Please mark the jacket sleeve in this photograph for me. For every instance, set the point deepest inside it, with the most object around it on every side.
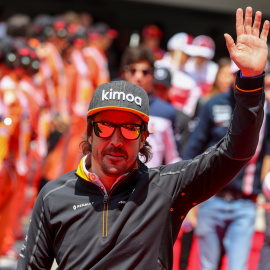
(37, 250)
(196, 180)
(199, 137)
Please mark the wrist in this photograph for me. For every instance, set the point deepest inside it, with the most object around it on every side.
(249, 75)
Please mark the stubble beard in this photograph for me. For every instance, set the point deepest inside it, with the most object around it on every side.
(109, 167)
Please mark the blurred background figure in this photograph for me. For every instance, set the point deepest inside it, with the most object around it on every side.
(76, 91)
(49, 34)
(100, 38)
(161, 87)
(137, 67)
(162, 83)
(26, 140)
(18, 25)
(72, 17)
(222, 83)
(178, 52)
(184, 92)
(200, 66)
(151, 38)
(86, 19)
(224, 77)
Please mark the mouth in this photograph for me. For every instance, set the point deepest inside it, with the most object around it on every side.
(115, 156)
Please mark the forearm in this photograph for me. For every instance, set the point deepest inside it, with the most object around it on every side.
(212, 170)
(243, 133)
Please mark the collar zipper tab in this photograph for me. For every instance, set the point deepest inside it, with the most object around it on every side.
(105, 199)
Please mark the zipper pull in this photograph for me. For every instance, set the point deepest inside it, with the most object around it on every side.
(105, 199)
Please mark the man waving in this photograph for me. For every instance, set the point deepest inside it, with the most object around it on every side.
(113, 212)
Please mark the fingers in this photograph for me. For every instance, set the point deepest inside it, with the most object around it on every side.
(239, 22)
(248, 20)
(265, 31)
(245, 27)
(230, 44)
(257, 24)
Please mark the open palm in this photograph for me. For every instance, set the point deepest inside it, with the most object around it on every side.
(250, 51)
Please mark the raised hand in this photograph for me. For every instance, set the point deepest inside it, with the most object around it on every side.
(250, 51)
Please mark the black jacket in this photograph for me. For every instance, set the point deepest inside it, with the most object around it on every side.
(136, 226)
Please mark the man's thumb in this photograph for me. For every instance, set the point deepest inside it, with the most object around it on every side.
(229, 43)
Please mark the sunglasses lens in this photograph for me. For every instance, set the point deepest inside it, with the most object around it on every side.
(103, 130)
(145, 72)
(132, 71)
(106, 129)
(130, 132)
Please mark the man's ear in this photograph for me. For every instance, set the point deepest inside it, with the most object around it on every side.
(143, 139)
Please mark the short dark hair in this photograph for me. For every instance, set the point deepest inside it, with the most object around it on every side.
(135, 54)
(144, 152)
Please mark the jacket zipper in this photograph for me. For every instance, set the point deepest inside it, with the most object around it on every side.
(105, 209)
(105, 216)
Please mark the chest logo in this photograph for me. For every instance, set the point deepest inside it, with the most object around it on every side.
(75, 207)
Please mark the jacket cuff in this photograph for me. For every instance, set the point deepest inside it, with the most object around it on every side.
(251, 84)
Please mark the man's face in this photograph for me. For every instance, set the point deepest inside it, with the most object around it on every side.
(139, 73)
(114, 156)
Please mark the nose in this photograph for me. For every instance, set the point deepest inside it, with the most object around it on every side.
(138, 75)
(116, 139)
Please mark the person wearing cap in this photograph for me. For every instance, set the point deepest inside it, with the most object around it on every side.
(161, 87)
(81, 87)
(178, 52)
(184, 91)
(200, 65)
(113, 212)
(226, 222)
(137, 66)
(100, 37)
(151, 38)
(162, 83)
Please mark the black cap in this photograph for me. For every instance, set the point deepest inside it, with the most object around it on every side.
(120, 96)
(163, 76)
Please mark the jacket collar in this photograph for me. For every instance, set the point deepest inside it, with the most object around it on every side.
(83, 173)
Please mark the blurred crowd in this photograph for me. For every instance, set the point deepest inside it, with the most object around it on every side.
(49, 68)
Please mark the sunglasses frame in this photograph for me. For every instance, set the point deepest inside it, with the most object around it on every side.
(117, 126)
(145, 72)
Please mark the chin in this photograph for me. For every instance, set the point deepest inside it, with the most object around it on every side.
(114, 171)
